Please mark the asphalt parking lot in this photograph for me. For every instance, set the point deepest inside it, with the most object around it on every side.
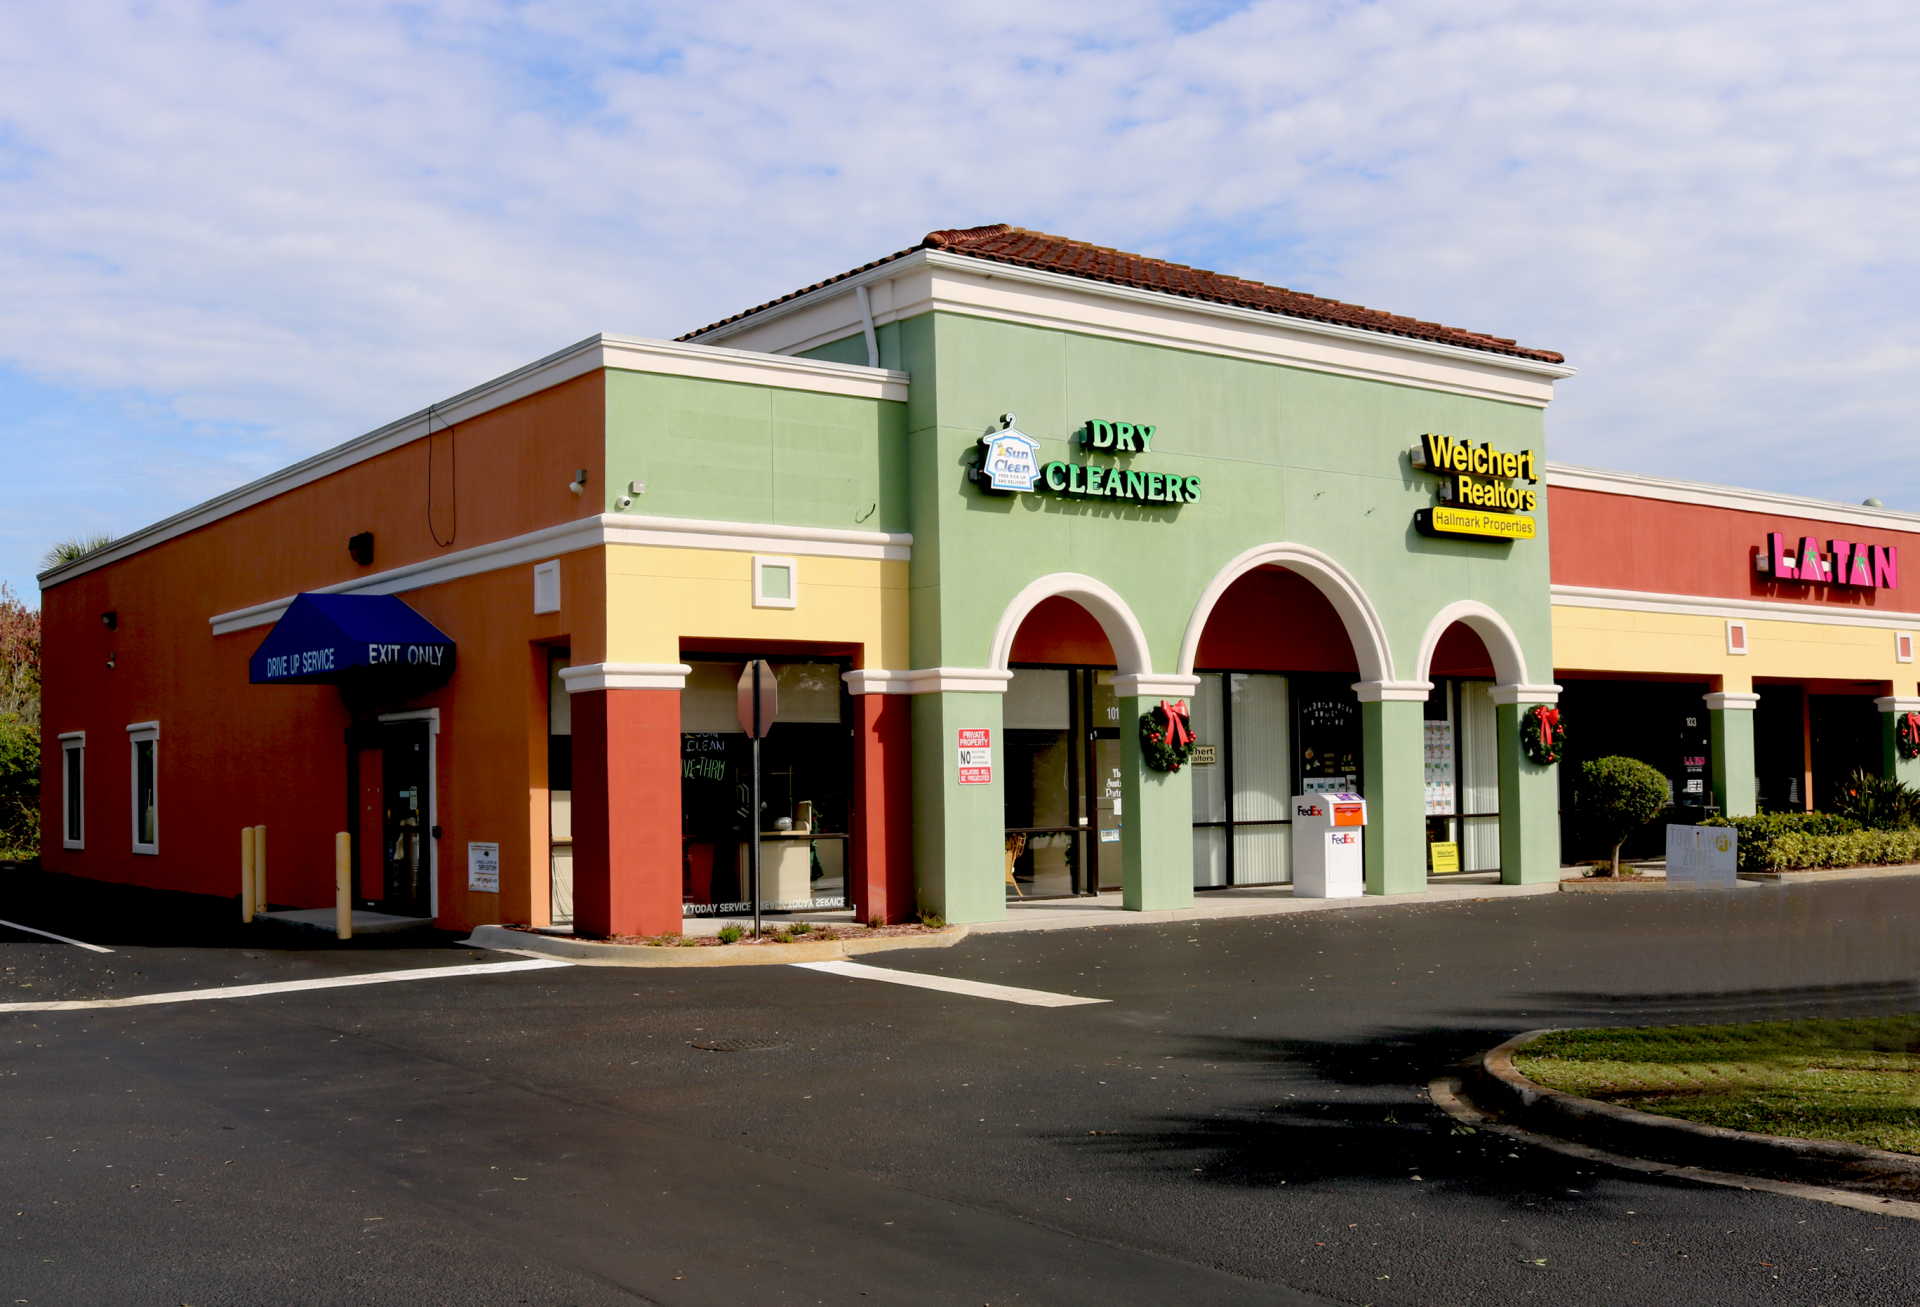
(1242, 1119)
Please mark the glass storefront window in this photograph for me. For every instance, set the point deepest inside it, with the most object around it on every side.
(1064, 807)
(1242, 780)
(1462, 766)
(806, 784)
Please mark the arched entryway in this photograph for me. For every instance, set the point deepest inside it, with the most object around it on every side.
(1275, 714)
(1061, 720)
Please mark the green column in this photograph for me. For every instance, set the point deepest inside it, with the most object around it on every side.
(1529, 801)
(1730, 719)
(1393, 743)
(1156, 822)
(1892, 710)
(959, 831)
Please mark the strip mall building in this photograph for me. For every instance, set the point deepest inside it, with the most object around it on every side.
(982, 504)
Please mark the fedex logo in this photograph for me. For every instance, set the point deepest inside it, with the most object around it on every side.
(1306, 810)
(1343, 838)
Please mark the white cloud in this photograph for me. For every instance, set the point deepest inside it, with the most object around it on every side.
(287, 225)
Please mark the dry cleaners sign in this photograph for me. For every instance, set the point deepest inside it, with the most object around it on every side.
(1009, 463)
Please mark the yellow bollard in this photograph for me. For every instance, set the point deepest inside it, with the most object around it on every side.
(260, 868)
(246, 873)
(343, 885)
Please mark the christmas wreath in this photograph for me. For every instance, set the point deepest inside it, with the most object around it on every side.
(1906, 735)
(1542, 735)
(1166, 737)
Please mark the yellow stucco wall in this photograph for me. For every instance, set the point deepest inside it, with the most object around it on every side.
(1619, 640)
(657, 595)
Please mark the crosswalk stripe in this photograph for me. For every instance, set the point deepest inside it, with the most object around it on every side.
(949, 984)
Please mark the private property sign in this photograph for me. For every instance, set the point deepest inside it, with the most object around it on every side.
(976, 757)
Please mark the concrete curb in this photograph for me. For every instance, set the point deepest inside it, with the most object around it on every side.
(592, 953)
(1495, 1087)
(1823, 874)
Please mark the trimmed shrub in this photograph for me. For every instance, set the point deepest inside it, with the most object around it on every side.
(1616, 797)
(1800, 841)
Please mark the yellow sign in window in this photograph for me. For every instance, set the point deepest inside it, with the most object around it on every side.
(1446, 856)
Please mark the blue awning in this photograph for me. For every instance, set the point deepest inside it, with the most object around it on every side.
(375, 640)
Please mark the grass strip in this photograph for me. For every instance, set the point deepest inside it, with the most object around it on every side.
(1856, 1081)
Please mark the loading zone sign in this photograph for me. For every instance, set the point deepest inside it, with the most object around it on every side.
(976, 757)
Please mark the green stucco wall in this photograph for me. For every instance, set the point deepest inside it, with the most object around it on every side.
(727, 452)
(1284, 455)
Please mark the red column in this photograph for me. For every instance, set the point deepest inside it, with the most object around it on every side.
(626, 812)
(883, 811)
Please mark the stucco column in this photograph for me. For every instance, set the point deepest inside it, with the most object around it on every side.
(1730, 719)
(1529, 792)
(880, 868)
(1392, 766)
(1156, 817)
(626, 797)
(1893, 708)
(959, 830)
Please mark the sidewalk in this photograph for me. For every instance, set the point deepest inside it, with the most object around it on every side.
(1244, 901)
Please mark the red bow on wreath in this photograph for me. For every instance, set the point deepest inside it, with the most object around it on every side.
(1179, 732)
(1549, 723)
(1913, 725)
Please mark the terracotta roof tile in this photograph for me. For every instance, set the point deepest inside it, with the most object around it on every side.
(1032, 249)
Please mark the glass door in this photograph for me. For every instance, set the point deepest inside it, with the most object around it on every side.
(1242, 780)
(407, 855)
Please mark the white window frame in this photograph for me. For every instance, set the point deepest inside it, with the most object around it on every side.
(73, 836)
(139, 733)
(761, 565)
(1737, 644)
(1903, 646)
(546, 586)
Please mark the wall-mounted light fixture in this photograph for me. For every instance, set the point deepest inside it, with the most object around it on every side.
(111, 619)
(361, 547)
(579, 483)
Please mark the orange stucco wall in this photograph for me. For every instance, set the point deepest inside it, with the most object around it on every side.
(234, 754)
(1622, 542)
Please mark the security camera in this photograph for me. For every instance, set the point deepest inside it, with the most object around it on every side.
(625, 501)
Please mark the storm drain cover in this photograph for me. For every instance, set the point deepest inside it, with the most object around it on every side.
(737, 1045)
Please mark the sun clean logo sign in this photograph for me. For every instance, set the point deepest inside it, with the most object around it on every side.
(1011, 459)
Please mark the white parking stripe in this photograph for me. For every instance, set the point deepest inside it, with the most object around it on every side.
(290, 986)
(14, 925)
(948, 984)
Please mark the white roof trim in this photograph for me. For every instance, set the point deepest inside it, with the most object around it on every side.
(1158, 300)
(1758, 610)
(590, 533)
(1712, 496)
(620, 353)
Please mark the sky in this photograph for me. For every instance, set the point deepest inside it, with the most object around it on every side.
(235, 233)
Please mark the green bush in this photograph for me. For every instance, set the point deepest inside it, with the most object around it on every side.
(1799, 841)
(1879, 802)
(1616, 797)
(731, 934)
(1791, 851)
(19, 787)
